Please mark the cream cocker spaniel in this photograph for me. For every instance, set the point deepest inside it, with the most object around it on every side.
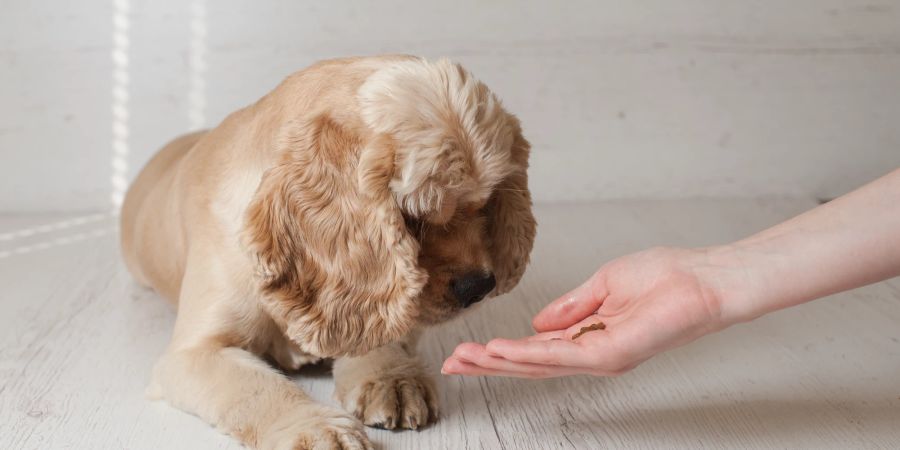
(358, 202)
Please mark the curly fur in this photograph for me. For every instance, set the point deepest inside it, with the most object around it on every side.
(327, 220)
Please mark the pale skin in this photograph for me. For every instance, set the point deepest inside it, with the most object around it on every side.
(661, 298)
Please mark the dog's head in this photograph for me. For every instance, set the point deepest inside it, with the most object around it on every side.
(363, 234)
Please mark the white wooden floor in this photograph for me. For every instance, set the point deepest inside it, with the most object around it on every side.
(78, 338)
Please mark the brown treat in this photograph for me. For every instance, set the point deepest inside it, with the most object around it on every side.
(596, 326)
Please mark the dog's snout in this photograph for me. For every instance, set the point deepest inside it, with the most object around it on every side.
(472, 287)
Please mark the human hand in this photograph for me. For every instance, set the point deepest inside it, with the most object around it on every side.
(649, 302)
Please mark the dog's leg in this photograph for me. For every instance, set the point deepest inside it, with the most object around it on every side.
(240, 394)
(203, 372)
(387, 387)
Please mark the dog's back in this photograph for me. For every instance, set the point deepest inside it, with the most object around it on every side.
(146, 220)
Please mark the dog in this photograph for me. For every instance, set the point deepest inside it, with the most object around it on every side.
(359, 202)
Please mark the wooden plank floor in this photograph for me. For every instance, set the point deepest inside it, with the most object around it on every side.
(78, 339)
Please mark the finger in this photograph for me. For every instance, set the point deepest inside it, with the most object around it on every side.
(598, 356)
(572, 307)
(457, 366)
(477, 354)
(559, 334)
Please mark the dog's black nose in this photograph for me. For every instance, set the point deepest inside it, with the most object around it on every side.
(472, 287)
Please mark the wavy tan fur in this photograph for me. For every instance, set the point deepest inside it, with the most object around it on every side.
(327, 220)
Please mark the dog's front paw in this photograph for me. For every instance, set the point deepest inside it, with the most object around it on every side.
(399, 401)
(315, 427)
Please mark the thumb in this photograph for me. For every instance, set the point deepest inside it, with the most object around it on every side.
(572, 307)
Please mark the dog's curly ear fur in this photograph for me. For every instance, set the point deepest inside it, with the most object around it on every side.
(511, 224)
(335, 260)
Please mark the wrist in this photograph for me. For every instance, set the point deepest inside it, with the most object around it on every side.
(729, 272)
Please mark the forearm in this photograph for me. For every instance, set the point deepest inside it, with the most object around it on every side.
(846, 243)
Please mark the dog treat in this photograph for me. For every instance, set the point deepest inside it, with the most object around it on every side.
(593, 327)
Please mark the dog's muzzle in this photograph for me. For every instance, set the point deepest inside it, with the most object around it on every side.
(472, 287)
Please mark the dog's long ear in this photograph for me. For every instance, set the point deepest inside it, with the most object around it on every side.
(335, 260)
(511, 224)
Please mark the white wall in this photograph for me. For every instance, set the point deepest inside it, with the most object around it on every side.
(619, 98)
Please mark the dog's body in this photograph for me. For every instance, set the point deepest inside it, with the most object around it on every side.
(360, 200)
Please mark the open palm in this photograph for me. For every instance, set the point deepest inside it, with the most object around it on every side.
(649, 302)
